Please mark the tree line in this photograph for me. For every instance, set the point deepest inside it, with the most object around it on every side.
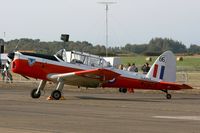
(155, 47)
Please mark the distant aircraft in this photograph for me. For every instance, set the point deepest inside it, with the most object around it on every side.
(86, 70)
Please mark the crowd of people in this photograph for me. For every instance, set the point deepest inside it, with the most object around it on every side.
(133, 68)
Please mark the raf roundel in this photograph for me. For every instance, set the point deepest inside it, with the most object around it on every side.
(31, 61)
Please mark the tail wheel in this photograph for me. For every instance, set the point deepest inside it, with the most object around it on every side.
(35, 94)
(168, 96)
(56, 94)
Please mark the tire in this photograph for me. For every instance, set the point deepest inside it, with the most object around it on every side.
(124, 90)
(56, 94)
(168, 96)
(120, 90)
(34, 95)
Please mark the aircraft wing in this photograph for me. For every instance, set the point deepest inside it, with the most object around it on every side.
(86, 78)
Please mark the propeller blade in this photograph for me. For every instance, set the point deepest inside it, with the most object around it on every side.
(11, 55)
(10, 59)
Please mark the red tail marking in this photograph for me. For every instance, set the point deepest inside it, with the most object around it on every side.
(155, 70)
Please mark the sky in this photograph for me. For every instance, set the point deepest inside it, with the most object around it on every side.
(129, 21)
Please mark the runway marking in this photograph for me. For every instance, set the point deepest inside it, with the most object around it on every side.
(193, 118)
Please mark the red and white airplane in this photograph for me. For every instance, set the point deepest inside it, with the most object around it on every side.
(86, 70)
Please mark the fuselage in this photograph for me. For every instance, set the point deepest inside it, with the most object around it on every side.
(40, 66)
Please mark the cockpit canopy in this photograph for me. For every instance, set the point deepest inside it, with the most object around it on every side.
(82, 58)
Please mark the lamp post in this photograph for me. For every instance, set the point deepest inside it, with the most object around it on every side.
(106, 34)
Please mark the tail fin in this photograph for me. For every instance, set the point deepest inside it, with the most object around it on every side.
(164, 68)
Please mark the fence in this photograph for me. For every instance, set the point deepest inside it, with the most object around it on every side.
(191, 78)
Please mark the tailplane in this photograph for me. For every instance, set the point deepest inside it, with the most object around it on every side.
(164, 68)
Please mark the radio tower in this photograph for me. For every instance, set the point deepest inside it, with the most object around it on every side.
(107, 8)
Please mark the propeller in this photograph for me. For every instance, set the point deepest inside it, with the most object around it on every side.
(10, 58)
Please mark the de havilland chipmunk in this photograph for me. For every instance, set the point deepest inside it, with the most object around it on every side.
(86, 70)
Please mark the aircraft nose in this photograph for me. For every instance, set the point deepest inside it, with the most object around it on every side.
(11, 55)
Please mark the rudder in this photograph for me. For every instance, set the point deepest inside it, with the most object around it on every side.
(164, 68)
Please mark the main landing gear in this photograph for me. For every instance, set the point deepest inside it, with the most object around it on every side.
(122, 90)
(56, 94)
(35, 93)
(168, 96)
(125, 90)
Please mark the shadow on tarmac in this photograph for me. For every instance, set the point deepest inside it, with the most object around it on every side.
(147, 99)
(123, 99)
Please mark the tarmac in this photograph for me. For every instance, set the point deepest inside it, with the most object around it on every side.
(97, 111)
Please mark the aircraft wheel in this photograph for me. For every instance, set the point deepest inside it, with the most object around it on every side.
(56, 94)
(120, 90)
(124, 90)
(168, 96)
(34, 94)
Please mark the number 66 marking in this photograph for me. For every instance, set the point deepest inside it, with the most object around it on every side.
(162, 59)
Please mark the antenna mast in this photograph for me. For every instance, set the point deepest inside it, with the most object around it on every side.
(107, 8)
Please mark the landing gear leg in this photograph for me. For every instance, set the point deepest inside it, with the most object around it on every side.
(168, 96)
(35, 93)
(56, 94)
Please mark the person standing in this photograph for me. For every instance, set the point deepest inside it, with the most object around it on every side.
(133, 68)
(145, 68)
(121, 66)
